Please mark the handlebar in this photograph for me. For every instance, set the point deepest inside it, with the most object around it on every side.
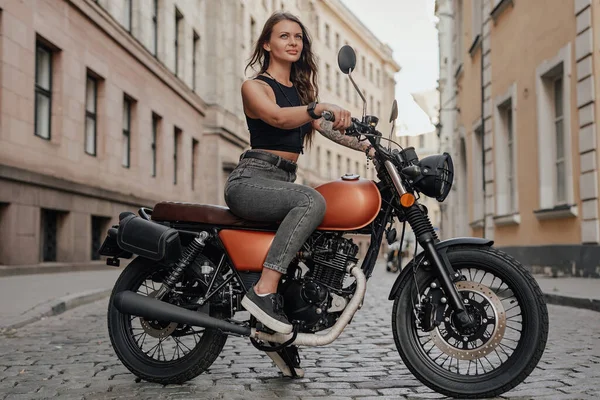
(357, 128)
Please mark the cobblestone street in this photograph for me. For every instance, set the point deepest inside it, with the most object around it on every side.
(70, 357)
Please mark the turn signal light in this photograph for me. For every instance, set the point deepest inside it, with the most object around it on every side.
(407, 200)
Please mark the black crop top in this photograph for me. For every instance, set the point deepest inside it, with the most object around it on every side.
(268, 137)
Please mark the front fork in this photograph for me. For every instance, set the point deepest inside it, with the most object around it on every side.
(421, 226)
(445, 270)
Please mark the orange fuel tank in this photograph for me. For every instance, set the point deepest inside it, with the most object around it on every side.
(352, 203)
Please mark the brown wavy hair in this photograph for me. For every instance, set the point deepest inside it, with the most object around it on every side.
(304, 71)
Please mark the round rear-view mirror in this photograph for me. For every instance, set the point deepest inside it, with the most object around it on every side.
(346, 59)
(394, 113)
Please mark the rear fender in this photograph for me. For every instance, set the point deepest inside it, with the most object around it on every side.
(442, 247)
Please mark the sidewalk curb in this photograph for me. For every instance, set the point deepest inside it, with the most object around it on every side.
(51, 268)
(53, 307)
(576, 302)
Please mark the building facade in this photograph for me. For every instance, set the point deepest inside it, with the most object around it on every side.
(111, 105)
(518, 114)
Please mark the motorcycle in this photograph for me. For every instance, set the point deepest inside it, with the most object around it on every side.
(468, 320)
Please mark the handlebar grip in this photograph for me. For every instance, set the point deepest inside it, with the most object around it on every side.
(328, 116)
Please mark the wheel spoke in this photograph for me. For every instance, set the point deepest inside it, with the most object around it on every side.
(448, 339)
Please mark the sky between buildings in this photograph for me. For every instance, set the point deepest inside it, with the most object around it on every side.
(408, 27)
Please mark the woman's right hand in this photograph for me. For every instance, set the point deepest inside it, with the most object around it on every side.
(343, 118)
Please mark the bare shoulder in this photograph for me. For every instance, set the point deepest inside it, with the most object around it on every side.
(252, 87)
(256, 94)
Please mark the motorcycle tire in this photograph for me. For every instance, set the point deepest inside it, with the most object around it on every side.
(141, 363)
(451, 380)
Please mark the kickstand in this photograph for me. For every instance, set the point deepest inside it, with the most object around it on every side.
(292, 358)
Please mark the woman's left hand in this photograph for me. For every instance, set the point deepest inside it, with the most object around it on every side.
(343, 118)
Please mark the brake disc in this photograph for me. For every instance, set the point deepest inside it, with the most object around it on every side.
(490, 343)
(156, 329)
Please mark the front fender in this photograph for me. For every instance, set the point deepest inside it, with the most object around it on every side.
(440, 246)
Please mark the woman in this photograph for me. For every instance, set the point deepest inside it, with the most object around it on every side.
(282, 114)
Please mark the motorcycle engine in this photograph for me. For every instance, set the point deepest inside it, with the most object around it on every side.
(317, 299)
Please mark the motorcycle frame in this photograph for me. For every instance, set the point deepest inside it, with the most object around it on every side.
(376, 229)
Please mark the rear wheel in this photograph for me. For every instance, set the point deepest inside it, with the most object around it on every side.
(492, 357)
(158, 351)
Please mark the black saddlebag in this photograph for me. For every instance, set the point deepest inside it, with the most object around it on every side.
(148, 239)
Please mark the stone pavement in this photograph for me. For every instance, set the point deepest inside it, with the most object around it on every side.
(69, 357)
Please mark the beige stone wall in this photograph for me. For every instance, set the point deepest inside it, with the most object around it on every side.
(516, 65)
(85, 35)
(520, 49)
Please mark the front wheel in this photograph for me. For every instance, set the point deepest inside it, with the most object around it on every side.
(488, 359)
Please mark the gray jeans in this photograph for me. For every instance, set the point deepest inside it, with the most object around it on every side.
(259, 191)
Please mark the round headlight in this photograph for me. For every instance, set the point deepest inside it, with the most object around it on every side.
(437, 173)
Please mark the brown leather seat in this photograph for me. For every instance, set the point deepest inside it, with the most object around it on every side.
(203, 214)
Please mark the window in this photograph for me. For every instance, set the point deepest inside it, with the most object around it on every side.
(505, 157)
(371, 72)
(127, 14)
(560, 170)
(477, 20)
(378, 108)
(339, 165)
(378, 82)
(252, 32)
(458, 31)
(347, 90)
(327, 76)
(195, 55)
(195, 147)
(327, 42)
(127, 105)
(317, 34)
(49, 231)
(178, 31)
(318, 160)
(337, 83)
(477, 174)
(510, 176)
(155, 27)
(91, 97)
(337, 41)
(176, 145)
(43, 91)
(99, 227)
(328, 164)
(155, 129)
(347, 165)
(364, 66)
(553, 91)
(356, 168)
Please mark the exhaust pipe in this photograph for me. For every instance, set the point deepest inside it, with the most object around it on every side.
(313, 339)
(131, 303)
